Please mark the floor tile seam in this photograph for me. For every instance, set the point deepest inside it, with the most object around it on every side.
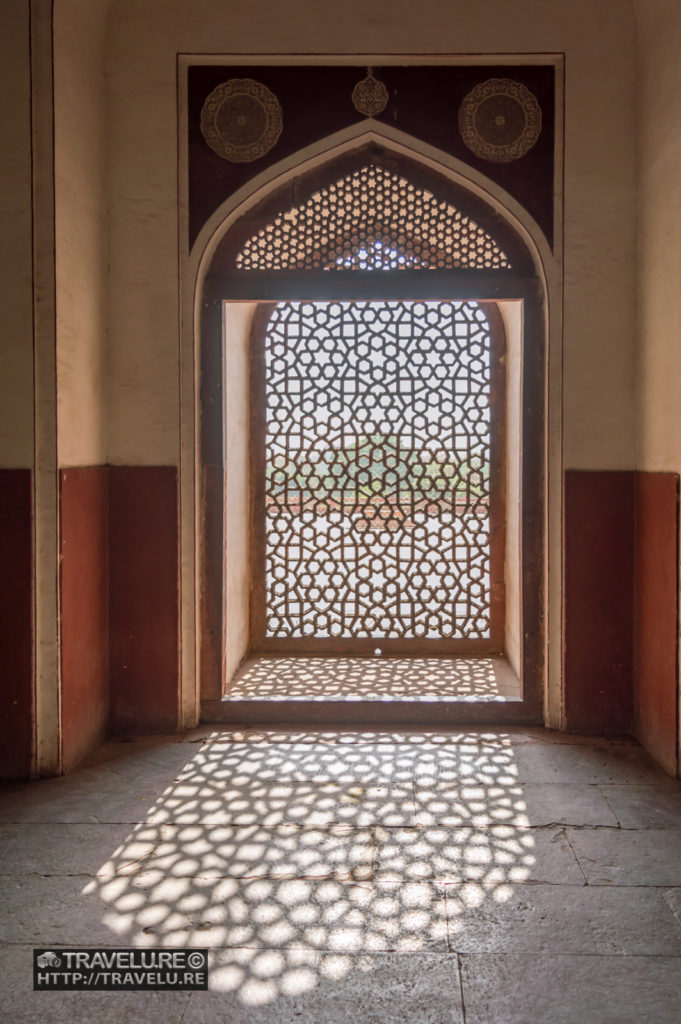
(145, 821)
(435, 883)
(218, 786)
(346, 878)
(661, 786)
(439, 947)
(528, 954)
(188, 1000)
(419, 825)
(624, 829)
(332, 823)
(665, 784)
(442, 736)
(575, 855)
(446, 881)
(661, 888)
(56, 874)
(462, 991)
(603, 791)
(434, 740)
(339, 829)
(230, 757)
(216, 950)
(549, 826)
(68, 824)
(326, 950)
(459, 734)
(674, 911)
(374, 876)
(208, 820)
(542, 951)
(374, 851)
(258, 947)
(104, 823)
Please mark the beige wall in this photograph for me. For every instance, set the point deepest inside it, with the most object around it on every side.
(659, 252)
(599, 42)
(659, 360)
(16, 337)
(512, 313)
(238, 317)
(80, 229)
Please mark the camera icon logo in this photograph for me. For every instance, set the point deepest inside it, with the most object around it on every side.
(49, 959)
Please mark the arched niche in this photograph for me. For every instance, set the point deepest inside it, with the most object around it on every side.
(227, 299)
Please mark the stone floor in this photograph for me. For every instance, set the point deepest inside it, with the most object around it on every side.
(273, 678)
(486, 877)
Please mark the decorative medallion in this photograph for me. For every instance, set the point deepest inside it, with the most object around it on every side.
(369, 96)
(500, 120)
(241, 120)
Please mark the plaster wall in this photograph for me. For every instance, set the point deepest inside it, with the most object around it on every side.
(512, 313)
(237, 330)
(598, 39)
(80, 229)
(16, 282)
(659, 375)
(659, 324)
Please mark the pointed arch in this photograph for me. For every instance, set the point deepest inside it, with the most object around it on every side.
(480, 236)
(213, 278)
(339, 149)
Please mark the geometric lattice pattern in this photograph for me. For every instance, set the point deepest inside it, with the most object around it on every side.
(372, 219)
(377, 455)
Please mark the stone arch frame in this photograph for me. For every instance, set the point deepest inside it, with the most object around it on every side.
(540, 288)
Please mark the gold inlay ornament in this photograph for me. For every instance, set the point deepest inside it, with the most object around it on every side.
(370, 96)
(241, 120)
(500, 120)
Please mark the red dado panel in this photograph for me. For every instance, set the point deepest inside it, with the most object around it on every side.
(16, 616)
(84, 610)
(212, 596)
(656, 615)
(144, 591)
(599, 559)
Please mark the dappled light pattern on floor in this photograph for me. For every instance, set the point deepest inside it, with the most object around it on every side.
(375, 678)
(333, 875)
(314, 844)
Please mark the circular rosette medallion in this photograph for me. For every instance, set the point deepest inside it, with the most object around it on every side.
(500, 120)
(241, 120)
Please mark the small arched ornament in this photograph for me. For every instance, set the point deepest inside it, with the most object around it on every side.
(241, 120)
(500, 120)
(370, 96)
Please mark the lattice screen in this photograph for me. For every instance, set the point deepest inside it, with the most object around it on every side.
(372, 220)
(377, 454)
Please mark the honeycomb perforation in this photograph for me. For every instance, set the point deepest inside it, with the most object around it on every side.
(372, 219)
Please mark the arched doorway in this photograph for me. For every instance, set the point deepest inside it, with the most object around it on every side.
(366, 229)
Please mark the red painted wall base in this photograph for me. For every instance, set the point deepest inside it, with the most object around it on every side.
(621, 607)
(144, 599)
(84, 610)
(599, 511)
(656, 561)
(16, 613)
